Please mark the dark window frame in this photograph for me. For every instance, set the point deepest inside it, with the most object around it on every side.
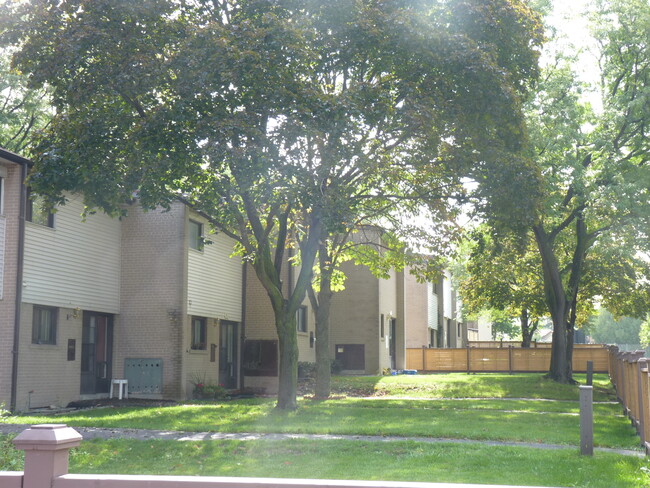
(301, 319)
(44, 334)
(37, 216)
(199, 336)
(382, 330)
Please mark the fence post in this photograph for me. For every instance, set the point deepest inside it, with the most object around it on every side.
(590, 373)
(643, 402)
(510, 359)
(586, 420)
(46, 449)
(469, 367)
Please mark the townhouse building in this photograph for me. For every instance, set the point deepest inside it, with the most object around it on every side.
(157, 300)
(150, 298)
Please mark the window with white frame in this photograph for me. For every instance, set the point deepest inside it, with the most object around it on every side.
(196, 235)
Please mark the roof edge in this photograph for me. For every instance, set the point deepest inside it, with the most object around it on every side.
(13, 157)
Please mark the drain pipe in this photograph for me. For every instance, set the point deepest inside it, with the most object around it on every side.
(19, 285)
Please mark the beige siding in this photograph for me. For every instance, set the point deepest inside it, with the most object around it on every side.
(3, 236)
(214, 282)
(198, 366)
(75, 264)
(387, 308)
(44, 369)
(10, 255)
(416, 305)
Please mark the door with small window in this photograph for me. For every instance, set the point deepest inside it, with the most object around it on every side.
(228, 347)
(96, 353)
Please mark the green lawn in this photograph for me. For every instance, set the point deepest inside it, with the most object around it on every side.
(462, 385)
(395, 461)
(538, 422)
(503, 407)
(548, 418)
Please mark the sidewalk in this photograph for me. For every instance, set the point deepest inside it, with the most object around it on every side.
(142, 434)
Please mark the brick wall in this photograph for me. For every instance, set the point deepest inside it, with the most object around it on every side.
(153, 297)
(354, 317)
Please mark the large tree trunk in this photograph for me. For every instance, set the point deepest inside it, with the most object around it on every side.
(321, 304)
(288, 368)
(558, 306)
(268, 270)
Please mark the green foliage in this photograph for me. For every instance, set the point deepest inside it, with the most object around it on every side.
(11, 459)
(23, 110)
(285, 122)
(604, 328)
(594, 164)
(644, 332)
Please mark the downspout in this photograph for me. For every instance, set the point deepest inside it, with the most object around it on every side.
(19, 286)
(242, 335)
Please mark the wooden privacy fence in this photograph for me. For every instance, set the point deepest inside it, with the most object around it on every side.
(46, 466)
(631, 378)
(494, 360)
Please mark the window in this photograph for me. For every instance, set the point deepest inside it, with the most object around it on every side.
(199, 333)
(36, 211)
(196, 235)
(381, 326)
(260, 358)
(301, 319)
(44, 325)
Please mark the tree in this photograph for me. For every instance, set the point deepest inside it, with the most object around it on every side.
(502, 274)
(23, 110)
(604, 328)
(595, 169)
(275, 120)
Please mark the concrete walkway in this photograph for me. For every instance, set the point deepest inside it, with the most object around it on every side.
(142, 434)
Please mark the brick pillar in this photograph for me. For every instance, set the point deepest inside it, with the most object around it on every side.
(46, 449)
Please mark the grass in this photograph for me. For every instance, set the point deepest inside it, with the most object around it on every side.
(461, 385)
(489, 418)
(539, 423)
(396, 461)
(414, 406)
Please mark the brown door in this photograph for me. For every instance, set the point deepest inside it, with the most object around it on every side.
(96, 353)
(228, 346)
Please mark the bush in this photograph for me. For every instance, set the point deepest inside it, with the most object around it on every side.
(11, 459)
(306, 370)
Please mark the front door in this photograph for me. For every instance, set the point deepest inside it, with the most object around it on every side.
(228, 344)
(96, 353)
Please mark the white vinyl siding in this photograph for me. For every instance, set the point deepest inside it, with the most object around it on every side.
(446, 296)
(432, 307)
(214, 280)
(76, 264)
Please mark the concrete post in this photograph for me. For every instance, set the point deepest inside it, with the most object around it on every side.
(46, 449)
(586, 420)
